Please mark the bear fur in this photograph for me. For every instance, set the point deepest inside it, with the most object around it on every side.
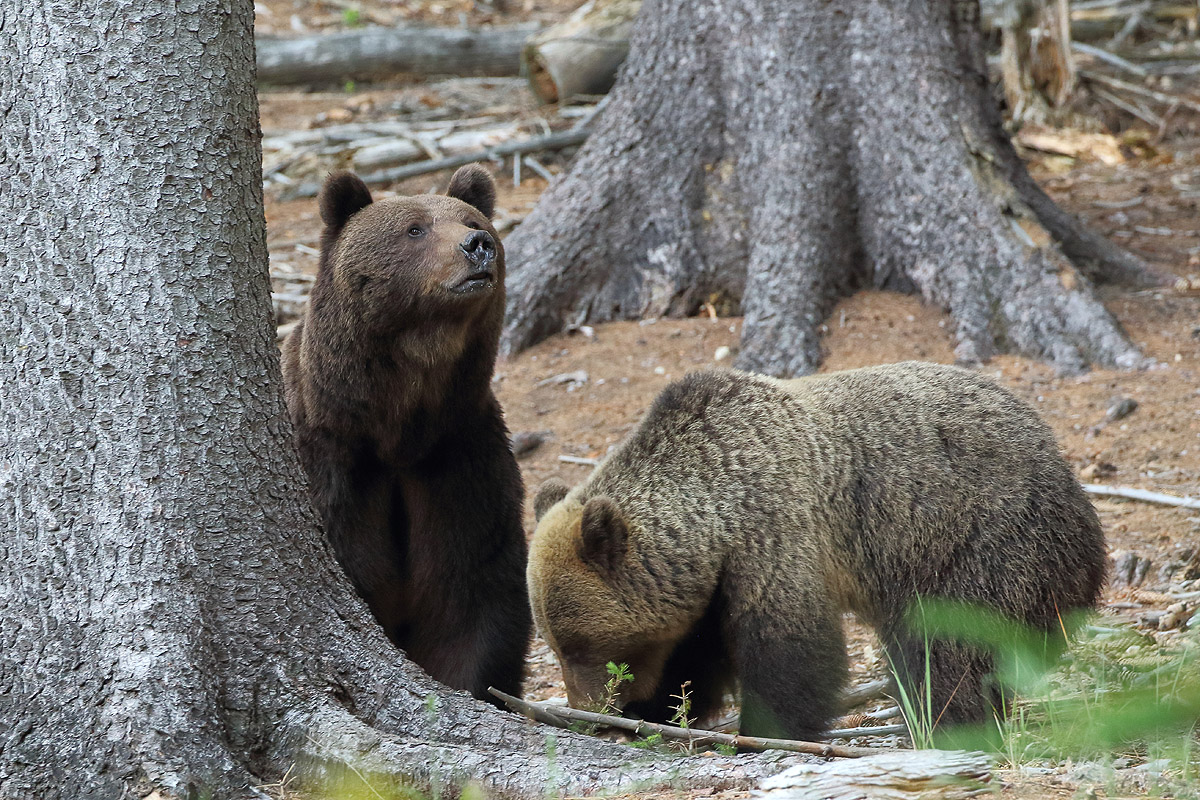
(388, 383)
(725, 537)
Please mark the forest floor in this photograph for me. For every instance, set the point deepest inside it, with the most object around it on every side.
(584, 393)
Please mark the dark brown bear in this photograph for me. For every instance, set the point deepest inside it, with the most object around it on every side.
(727, 534)
(388, 381)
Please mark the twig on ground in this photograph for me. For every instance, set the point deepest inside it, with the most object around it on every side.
(1145, 496)
(537, 167)
(565, 714)
(1145, 115)
(868, 691)
(893, 712)
(555, 141)
(875, 730)
(1103, 55)
(587, 462)
(1133, 88)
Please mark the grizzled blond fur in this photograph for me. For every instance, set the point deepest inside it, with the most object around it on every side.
(728, 533)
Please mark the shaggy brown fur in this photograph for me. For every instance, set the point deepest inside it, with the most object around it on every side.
(728, 533)
(388, 383)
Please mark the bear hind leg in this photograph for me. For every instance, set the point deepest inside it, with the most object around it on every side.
(944, 682)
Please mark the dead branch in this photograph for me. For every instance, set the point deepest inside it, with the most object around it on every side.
(868, 691)
(586, 462)
(1101, 54)
(564, 715)
(869, 730)
(493, 52)
(1145, 496)
(553, 141)
(1142, 91)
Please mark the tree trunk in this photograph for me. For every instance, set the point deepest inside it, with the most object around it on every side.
(779, 155)
(173, 619)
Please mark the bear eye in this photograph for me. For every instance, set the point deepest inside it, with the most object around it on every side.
(415, 231)
(473, 225)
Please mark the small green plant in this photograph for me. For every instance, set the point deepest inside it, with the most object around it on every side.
(617, 674)
(351, 17)
(680, 718)
(725, 749)
(349, 87)
(917, 710)
(648, 742)
(917, 707)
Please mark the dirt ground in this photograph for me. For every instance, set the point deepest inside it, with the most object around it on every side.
(1147, 201)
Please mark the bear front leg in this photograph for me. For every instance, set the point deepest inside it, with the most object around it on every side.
(700, 666)
(790, 654)
(470, 618)
(352, 491)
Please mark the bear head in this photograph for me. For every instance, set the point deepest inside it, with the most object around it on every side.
(407, 261)
(593, 600)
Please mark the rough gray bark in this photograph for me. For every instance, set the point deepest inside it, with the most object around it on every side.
(782, 155)
(172, 617)
(387, 51)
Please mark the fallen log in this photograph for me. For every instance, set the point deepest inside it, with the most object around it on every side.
(580, 55)
(927, 774)
(374, 52)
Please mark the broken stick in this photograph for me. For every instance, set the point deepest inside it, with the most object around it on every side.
(1130, 493)
(563, 715)
(553, 141)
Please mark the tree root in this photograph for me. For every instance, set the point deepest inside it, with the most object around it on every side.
(784, 190)
(333, 749)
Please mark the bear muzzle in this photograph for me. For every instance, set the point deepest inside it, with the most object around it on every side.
(479, 248)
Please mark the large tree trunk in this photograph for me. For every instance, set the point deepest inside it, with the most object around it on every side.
(781, 155)
(172, 617)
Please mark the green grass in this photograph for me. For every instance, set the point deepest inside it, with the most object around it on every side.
(1101, 693)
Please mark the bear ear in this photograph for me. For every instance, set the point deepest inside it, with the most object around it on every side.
(549, 493)
(474, 186)
(343, 194)
(605, 534)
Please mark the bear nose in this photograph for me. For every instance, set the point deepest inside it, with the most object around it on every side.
(479, 247)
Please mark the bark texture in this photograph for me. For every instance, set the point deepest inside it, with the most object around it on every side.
(782, 155)
(172, 616)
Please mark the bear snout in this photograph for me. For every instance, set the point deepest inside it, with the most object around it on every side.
(479, 247)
